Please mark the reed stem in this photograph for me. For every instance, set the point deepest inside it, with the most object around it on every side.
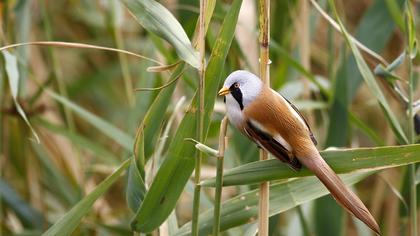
(219, 176)
(264, 39)
(412, 167)
(410, 35)
(200, 116)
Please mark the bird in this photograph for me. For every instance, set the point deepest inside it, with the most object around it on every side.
(277, 126)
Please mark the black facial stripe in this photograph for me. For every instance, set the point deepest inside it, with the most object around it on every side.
(237, 94)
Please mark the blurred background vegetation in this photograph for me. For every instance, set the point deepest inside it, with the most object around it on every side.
(82, 104)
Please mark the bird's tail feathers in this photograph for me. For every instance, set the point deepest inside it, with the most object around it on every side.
(341, 193)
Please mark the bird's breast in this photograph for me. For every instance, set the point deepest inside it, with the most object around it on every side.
(233, 111)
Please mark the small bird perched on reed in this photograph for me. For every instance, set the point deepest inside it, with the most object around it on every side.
(277, 126)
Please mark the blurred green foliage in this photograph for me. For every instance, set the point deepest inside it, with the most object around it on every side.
(82, 104)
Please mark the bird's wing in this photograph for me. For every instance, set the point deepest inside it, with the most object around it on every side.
(271, 143)
(311, 135)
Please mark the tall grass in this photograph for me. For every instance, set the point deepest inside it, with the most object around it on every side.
(113, 87)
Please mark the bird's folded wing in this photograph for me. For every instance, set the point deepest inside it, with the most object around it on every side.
(299, 115)
(270, 143)
(306, 122)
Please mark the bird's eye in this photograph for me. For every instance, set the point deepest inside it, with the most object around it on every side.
(236, 85)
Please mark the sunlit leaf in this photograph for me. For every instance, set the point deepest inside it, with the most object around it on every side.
(204, 148)
(283, 196)
(13, 76)
(341, 161)
(387, 72)
(157, 19)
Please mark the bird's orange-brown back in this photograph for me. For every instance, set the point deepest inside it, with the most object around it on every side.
(270, 110)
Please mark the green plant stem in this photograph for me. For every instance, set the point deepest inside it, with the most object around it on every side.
(218, 195)
(264, 36)
(219, 176)
(412, 167)
(413, 199)
(410, 40)
(196, 203)
(200, 116)
(306, 63)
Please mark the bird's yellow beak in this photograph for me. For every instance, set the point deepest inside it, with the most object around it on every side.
(224, 91)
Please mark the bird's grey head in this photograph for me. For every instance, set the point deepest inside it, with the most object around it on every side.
(242, 86)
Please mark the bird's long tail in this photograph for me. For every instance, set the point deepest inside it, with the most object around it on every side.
(339, 191)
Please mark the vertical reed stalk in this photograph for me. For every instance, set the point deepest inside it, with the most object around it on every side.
(219, 176)
(264, 190)
(305, 58)
(411, 138)
(330, 46)
(410, 39)
(200, 116)
(413, 198)
(412, 167)
(304, 42)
